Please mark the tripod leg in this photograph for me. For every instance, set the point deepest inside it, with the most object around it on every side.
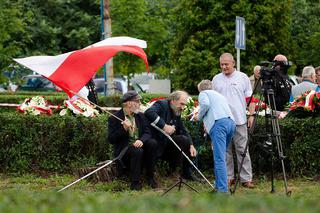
(171, 187)
(276, 132)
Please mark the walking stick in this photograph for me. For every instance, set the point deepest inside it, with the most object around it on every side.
(123, 151)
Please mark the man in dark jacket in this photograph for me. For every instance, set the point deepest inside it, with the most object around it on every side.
(166, 114)
(134, 132)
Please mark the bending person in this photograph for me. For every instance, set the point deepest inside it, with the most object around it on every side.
(219, 123)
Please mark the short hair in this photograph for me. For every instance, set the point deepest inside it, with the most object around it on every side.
(308, 71)
(256, 67)
(176, 95)
(317, 69)
(205, 85)
(280, 57)
(228, 55)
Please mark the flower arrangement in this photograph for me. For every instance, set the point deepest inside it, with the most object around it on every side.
(305, 104)
(35, 106)
(190, 109)
(79, 106)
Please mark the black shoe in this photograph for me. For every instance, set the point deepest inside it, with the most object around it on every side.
(152, 183)
(136, 186)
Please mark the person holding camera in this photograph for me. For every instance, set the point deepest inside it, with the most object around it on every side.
(307, 84)
(134, 132)
(281, 84)
(236, 88)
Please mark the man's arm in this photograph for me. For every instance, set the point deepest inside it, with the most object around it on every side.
(145, 131)
(204, 105)
(153, 115)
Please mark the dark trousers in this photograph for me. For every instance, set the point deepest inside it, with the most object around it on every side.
(133, 160)
(174, 157)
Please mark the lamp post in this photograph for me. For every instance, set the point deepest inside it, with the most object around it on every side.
(107, 33)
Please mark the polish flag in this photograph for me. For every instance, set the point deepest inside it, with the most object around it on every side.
(71, 71)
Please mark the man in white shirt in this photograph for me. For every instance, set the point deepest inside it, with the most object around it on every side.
(236, 88)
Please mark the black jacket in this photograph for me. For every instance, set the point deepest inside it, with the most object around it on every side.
(161, 113)
(119, 137)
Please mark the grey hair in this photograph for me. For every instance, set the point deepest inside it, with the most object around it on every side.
(257, 67)
(308, 71)
(227, 55)
(176, 95)
(205, 85)
(317, 69)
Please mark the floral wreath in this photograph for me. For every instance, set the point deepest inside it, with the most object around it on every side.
(306, 104)
(35, 106)
(79, 106)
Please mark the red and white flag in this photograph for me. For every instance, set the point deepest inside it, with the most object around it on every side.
(71, 71)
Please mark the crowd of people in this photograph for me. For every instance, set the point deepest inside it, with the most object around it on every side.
(223, 110)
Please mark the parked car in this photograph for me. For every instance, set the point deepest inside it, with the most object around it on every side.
(119, 84)
(294, 80)
(37, 83)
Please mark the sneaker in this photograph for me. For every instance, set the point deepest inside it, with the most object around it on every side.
(135, 185)
(248, 185)
(152, 183)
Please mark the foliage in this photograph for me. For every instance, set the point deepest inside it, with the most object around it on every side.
(144, 20)
(29, 193)
(55, 143)
(305, 32)
(11, 31)
(205, 29)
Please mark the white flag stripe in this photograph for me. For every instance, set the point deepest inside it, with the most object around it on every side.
(122, 40)
(44, 65)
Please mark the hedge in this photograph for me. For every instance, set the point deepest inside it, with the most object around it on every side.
(51, 143)
(61, 144)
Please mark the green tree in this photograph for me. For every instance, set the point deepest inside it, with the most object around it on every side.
(142, 19)
(305, 31)
(206, 29)
(12, 26)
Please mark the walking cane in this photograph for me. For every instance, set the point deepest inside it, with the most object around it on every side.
(170, 138)
(123, 151)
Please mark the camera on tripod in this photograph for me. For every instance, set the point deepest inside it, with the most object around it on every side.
(271, 71)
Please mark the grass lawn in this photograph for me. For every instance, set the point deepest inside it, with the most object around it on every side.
(30, 193)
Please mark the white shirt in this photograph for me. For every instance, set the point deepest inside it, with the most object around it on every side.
(235, 88)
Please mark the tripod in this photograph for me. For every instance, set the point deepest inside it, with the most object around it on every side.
(272, 133)
(180, 181)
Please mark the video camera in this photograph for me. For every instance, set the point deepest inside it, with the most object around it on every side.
(269, 70)
(274, 76)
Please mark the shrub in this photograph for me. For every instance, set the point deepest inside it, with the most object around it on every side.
(54, 143)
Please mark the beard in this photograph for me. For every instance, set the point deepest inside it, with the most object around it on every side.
(136, 111)
(176, 111)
